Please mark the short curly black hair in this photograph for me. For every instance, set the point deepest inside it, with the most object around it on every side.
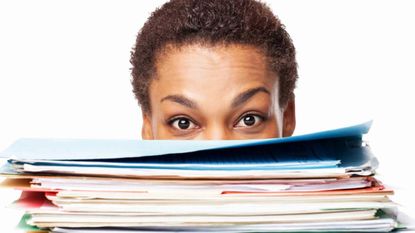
(213, 22)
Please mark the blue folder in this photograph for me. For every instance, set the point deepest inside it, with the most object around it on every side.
(343, 144)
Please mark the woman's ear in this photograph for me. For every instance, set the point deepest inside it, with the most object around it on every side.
(147, 130)
(289, 118)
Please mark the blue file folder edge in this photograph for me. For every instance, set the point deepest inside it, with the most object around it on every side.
(90, 149)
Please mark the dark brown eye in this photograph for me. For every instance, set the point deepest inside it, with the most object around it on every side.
(183, 123)
(250, 120)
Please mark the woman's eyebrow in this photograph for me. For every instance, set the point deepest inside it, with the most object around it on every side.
(246, 95)
(238, 100)
(180, 99)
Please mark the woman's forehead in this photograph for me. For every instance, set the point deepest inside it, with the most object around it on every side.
(203, 74)
(213, 65)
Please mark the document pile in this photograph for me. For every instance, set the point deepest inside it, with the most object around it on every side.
(316, 182)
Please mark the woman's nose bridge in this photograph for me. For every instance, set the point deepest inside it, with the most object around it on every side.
(216, 132)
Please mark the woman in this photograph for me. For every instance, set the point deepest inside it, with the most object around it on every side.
(215, 69)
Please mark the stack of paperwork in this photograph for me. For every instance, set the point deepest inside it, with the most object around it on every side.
(316, 182)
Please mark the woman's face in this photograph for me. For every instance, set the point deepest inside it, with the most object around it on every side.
(215, 93)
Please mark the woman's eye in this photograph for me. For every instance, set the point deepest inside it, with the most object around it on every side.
(183, 123)
(249, 121)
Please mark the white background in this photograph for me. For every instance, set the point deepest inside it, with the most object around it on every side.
(64, 72)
